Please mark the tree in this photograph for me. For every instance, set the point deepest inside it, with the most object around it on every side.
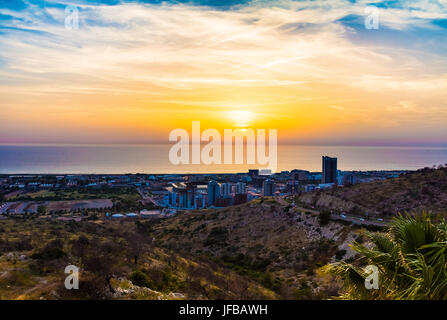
(104, 260)
(324, 217)
(139, 278)
(41, 210)
(136, 246)
(51, 257)
(80, 246)
(53, 250)
(411, 260)
(355, 211)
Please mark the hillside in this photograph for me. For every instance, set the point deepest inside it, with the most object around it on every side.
(116, 262)
(260, 250)
(425, 189)
(270, 242)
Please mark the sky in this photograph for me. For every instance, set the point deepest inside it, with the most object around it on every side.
(132, 71)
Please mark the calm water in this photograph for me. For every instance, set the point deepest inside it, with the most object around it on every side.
(154, 159)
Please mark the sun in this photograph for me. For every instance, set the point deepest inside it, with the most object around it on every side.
(241, 118)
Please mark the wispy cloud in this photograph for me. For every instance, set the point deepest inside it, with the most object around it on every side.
(160, 52)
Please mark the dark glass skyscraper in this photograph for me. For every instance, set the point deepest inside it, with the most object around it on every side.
(213, 192)
(329, 170)
(268, 188)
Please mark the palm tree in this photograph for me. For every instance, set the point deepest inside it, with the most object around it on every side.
(411, 259)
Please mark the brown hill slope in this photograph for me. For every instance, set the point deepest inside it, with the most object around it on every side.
(264, 249)
(34, 254)
(425, 189)
(274, 244)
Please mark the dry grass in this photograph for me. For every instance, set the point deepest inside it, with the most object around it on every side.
(425, 189)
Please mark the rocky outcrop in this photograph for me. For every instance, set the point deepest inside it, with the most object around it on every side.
(327, 201)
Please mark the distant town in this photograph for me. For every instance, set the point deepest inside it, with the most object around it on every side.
(157, 195)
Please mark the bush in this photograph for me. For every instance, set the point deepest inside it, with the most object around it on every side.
(17, 278)
(324, 217)
(139, 278)
(53, 250)
(269, 281)
(374, 228)
(355, 211)
(304, 292)
(340, 254)
(217, 236)
(164, 280)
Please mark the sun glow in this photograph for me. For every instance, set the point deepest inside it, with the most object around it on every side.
(241, 118)
(159, 67)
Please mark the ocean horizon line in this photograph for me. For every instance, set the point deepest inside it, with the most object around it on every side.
(415, 146)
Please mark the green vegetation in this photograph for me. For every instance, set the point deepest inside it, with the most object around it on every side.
(117, 260)
(411, 258)
(141, 279)
(255, 269)
(218, 236)
(41, 210)
(324, 217)
(339, 254)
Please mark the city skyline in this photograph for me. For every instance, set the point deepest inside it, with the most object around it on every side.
(134, 71)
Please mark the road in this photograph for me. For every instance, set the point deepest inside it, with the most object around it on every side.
(146, 197)
(349, 218)
(356, 220)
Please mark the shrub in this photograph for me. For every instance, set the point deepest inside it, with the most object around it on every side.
(217, 236)
(139, 278)
(340, 254)
(53, 250)
(355, 211)
(324, 217)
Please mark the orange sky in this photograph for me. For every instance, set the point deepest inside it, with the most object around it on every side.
(250, 67)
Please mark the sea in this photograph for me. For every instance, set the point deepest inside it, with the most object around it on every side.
(154, 158)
